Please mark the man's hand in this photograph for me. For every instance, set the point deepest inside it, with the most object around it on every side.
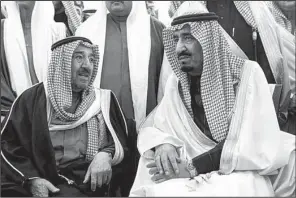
(166, 158)
(158, 178)
(41, 187)
(99, 171)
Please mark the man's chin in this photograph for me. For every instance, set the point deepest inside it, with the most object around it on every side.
(117, 7)
(78, 87)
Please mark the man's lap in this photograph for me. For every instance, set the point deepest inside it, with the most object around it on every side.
(76, 172)
(235, 184)
(9, 189)
(245, 183)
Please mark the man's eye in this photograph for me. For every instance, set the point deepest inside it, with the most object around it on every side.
(79, 58)
(176, 39)
(188, 38)
(92, 60)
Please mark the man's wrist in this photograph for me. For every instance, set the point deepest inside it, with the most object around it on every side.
(108, 154)
(191, 169)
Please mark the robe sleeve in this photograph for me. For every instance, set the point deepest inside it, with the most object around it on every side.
(110, 147)
(118, 122)
(208, 161)
(16, 155)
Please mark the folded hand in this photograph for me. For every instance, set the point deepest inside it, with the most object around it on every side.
(158, 178)
(166, 158)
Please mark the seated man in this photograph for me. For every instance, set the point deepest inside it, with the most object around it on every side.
(62, 137)
(215, 132)
(252, 28)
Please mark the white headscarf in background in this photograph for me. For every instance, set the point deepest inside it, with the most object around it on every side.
(139, 46)
(279, 16)
(44, 34)
(74, 20)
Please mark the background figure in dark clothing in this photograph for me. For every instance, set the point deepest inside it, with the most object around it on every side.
(3, 13)
(235, 25)
(130, 42)
(250, 41)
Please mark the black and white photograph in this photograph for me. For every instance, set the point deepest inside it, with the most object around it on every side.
(148, 99)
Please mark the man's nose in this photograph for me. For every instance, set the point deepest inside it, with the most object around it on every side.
(86, 63)
(180, 47)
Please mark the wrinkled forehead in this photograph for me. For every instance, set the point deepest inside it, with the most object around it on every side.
(88, 50)
(67, 50)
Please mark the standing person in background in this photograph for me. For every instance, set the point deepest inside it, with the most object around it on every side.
(253, 28)
(151, 9)
(130, 71)
(28, 34)
(284, 13)
(70, 13)
(3, 13)
(173, 7)
(132, 63)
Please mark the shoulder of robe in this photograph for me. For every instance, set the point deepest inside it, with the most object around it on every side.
(254, 67)
(29, 95)
(33, 90)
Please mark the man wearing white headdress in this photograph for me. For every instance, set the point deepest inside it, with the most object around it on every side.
(28, 33)
(215, 132)
(130, 41)
(251, 25)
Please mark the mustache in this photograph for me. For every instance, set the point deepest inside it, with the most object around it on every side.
(84, 71)
(183, 54)
(117, 1)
